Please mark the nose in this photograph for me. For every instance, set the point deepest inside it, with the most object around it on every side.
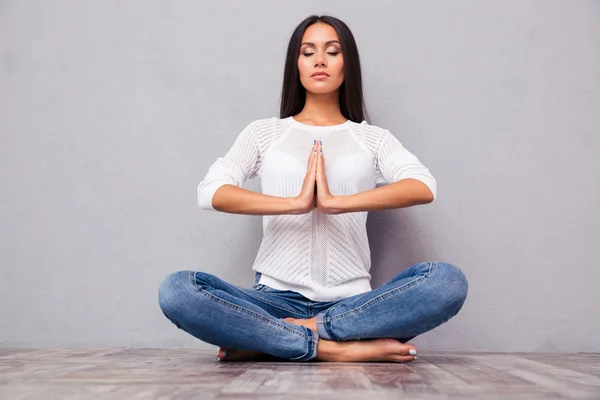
(320, 61)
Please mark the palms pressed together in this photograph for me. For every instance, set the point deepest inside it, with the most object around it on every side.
(316, 194)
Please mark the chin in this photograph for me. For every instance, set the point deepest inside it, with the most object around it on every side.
(318, 89)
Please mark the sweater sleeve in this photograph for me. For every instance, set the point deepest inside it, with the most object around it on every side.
(241, 162)
(394, 163)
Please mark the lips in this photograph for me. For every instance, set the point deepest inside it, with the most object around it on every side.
(320, 74)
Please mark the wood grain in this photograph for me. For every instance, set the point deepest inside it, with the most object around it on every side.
(195, 374)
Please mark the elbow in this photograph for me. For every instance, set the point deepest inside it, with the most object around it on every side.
(424, 185)
(203, 200)
(430, 196)
(429, 189)
(206, 193)
(423, 191)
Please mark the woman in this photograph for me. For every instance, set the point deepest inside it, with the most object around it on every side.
(311, 298)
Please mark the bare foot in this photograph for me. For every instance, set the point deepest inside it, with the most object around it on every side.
(310, 323)
(226, 354)
(383, 349)
(366, 350)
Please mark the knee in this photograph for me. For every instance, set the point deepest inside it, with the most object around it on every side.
(171, 292)
(453, 283)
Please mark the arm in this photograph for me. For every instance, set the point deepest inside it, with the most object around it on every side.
(405, 193)
(221, 189)
(408, 181)
(236, 200)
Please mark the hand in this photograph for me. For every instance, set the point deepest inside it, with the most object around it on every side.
(306, 200)
(326, 202)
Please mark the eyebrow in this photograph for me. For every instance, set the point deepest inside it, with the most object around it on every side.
(326, 43)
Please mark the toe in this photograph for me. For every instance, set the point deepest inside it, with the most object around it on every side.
(403, 358)
(223, 353)
(409, 350)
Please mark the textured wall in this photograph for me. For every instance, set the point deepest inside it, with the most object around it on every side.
(111, 113)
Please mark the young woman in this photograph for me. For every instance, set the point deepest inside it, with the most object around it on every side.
(319, 164)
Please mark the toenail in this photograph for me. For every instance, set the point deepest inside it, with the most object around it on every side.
(412, 352)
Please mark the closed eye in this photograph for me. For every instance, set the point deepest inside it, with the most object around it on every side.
(330, 53)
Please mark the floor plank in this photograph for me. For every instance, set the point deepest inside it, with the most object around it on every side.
(132, 374)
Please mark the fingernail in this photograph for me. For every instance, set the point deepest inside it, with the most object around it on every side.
(415, 357)
(321, 150)
(315, 141)
(218, 359)
(315, 151)
(224, 353)
(321, 143)
(412, 352)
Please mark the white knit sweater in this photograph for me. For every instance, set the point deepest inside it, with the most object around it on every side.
(324, 257)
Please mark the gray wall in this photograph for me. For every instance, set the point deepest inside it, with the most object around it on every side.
(111, 113)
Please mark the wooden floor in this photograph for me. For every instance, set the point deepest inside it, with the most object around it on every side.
(195, 374)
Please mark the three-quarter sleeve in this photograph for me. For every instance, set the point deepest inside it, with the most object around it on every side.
(241, 162)
(394, 163)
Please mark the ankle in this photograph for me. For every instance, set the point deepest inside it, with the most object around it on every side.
(327, 350)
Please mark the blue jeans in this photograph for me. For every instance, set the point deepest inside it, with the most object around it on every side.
(418, 299)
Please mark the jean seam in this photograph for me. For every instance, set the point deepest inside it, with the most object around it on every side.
(311, 352)
(327, 326)
(249, 312)
(192, 277)
(431, 268)
(386, 294)
(315, 344)
(275, 305)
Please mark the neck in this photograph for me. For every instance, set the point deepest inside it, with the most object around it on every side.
(321, 109)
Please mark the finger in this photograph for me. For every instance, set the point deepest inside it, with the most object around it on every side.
(322, 184)
(319, 167)
(320, 151)
(312, 152)
(311, 158)
(320, 162)
(314, 160)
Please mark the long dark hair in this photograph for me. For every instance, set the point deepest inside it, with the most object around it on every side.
(293, 94)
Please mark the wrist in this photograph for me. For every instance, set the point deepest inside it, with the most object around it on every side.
(336, 204)
(295, 206)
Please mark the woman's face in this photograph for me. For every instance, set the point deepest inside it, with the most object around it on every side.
(321, 51)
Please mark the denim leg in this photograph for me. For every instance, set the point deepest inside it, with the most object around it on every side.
(418, 299)
(222, 314)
